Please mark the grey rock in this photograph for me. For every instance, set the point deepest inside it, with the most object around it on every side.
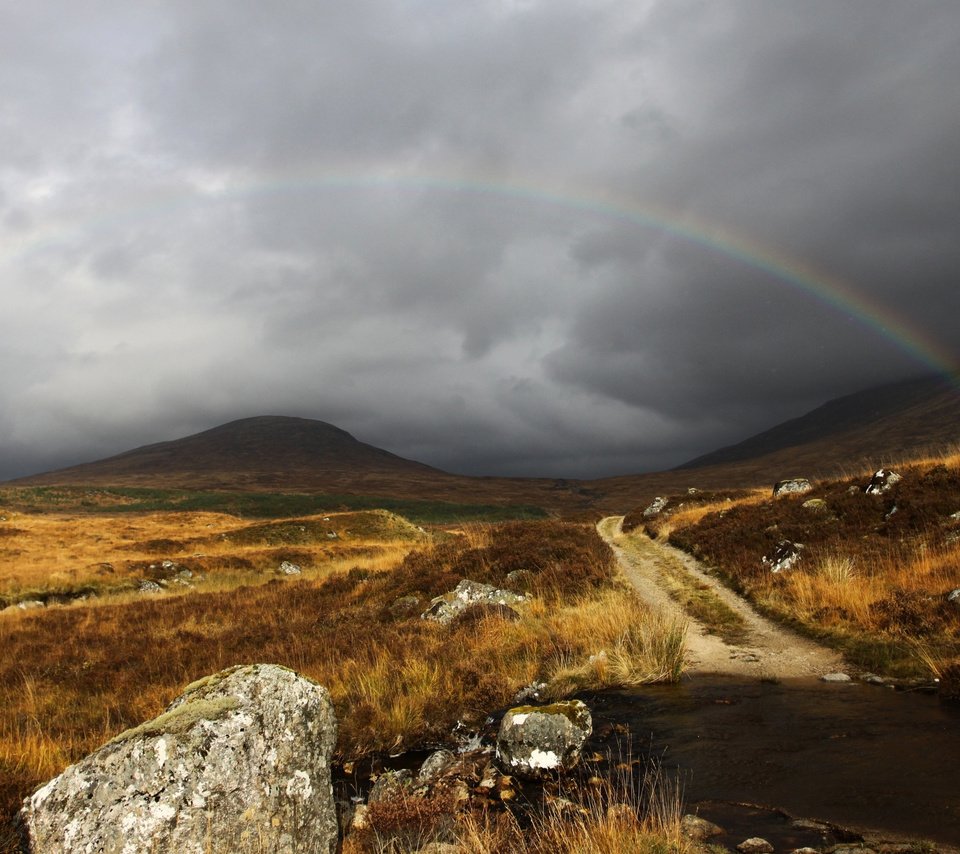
(655, 507)
(533, 691)
(835, 677)
(791, 486)
(443, 609)
(391, 784)
(539, 741)
(147, 586)
(405, 606)
(240, 762)
(882, 481)
(30, 605)
(288, 568)
(784, 556)
(954, 597)
(816, 505)
(435, 765)
(698, 829)
(755, 845)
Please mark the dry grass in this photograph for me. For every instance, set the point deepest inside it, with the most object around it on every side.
(61, 555)
(875, 570)
(73, 677)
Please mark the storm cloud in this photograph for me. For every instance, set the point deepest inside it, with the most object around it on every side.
(565, 238)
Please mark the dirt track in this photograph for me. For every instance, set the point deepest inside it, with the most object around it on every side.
(768, 649)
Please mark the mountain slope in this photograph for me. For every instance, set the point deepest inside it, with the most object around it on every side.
(889, 420)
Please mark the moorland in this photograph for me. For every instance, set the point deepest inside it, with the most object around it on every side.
(122, 582)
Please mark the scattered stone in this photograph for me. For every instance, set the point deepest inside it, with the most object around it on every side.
(699, 829)
(656, 506)
(147, 586)
(791, 486)
(692, 490)
(288, 568)
(332, 535)
(30, 604)
(805, 850)
(540, 741)
(391, 784)
(755, 845)
(520, 579)
(784, 556)
(954, 597)
(240, 761)
(435, 765)
(835, 677)
(955, 516)
(444, 608)
(853, 490)
(533, 691)
(816, 505)
(882, 481)
(873, 679)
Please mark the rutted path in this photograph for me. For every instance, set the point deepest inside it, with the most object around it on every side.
(767, 650)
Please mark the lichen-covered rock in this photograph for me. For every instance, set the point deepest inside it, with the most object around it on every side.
(784, 556)
(816, 505)
(655, 507)
(435, 765)
(289, 568)
(755, 845)
(239, 762)
(443, 609)
(882, 481)
(699, 829)
(540, 741)
(791, 486)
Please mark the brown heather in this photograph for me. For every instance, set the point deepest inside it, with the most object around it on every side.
(875, 571)
(72, 677)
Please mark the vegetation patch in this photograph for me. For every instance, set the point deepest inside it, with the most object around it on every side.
(73, 678)
(876, 570)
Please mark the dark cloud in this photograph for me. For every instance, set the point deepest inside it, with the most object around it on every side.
(563, 238)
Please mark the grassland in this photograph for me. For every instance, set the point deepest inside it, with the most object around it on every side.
(875, 570)
(74, 675)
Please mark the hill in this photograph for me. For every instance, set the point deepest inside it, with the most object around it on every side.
(280, 454)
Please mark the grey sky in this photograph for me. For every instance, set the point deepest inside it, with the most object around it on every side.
(434, 224)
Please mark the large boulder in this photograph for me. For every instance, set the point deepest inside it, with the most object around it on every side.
(791, 486)
(655, 507)
(239, 762)
(540, 741)
(444, 609)
(784, 556)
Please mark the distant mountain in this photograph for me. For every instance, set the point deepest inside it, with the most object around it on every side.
(267, 449)
(280, 454)
(893, 420)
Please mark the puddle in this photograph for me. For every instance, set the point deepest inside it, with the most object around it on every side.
(854, 755)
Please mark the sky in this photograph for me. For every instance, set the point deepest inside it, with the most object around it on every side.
(568, 238)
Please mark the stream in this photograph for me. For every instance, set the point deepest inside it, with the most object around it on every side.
(857, 755)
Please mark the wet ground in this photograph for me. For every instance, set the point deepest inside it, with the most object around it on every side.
(853, 754)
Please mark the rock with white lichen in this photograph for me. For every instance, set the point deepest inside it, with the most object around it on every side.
(239, 762)
(444, 609)
(791, 486)
(540, 741)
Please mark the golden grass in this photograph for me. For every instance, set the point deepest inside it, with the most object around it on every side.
(49, 553)
(687, 516)
(73, 677)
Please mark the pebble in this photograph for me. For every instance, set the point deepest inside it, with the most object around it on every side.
(755, 845)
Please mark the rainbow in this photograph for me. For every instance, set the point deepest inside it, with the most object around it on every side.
(778, 265)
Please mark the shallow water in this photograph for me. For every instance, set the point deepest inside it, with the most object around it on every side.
(853, 754)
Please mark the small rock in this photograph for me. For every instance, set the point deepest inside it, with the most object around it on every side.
(882, 481)
(444, 608)
(533, 691)
(891, 512)
(332, 535)
(698, 829)
(805, 851)
(655, 507)
(30, 604)
(435, 765)
(835, 677)
(540, 741)
(755, 845)
(391, 784)
(288, 568)
(147, 586)
(873, 679)
(784, 556)
(791, 486)
(954, 596)
(405, 606)
(816, 505)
